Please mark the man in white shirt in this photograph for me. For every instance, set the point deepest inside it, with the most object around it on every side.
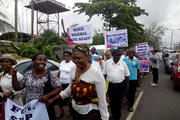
(117, 72)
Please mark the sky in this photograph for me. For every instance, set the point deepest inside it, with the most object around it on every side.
(163, 12)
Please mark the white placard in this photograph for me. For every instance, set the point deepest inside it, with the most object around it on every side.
(80, 35)
(33, 110)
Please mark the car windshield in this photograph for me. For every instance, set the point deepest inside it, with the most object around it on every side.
(172, 56)
(25, 66)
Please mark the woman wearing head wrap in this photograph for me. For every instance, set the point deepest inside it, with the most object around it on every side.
(87, 88)
(7, 61)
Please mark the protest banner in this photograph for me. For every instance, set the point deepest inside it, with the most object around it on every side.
(142, 49)
(33, 110)
(117, 38)
(144, 64)
(80, 35)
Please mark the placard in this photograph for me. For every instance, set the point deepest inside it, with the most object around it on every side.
(117, 38)
(33, 110)
(80, 35)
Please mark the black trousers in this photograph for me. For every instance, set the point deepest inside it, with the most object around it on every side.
(63, 102)
(116, 93)
(155, 75)
(132, 91)
(51, 112)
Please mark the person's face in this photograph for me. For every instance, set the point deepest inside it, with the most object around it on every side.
(67, 57)
(80, 59)
(93, 50)
(108, 55)
(6, 63)
(131, 55)
(40, 62)
(116, 57)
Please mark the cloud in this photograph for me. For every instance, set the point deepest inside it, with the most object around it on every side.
(163, 12)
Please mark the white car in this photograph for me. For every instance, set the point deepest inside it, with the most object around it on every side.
(23, 66)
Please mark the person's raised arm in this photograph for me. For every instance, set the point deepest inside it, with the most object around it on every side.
(15, 82)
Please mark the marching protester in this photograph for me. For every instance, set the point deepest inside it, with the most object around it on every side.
(107, 56)
(94, 63)
(95, 56)
(7, 61)
(134, 69)
(35, 81)
(116, 71)
(64, 75)
(155, 68)
(87, 88)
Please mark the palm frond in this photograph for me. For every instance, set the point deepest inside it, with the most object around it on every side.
(3, 15)
(5, 26)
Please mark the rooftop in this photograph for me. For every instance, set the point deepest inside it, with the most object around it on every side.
(48, 6)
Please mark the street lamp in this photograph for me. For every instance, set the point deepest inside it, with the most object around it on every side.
(172, 32)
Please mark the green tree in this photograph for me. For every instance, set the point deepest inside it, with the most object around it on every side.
(50, 37)
(98, 38)
(24, 50)
(47, 43)
(154, 34)
(117, 14)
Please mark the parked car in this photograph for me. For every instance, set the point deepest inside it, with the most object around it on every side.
(168, 61)
(23, 66)
(175, 71)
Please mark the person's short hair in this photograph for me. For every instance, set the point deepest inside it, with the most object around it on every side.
(35, 56)
(155, 50)
(117, 51)
(67, 52)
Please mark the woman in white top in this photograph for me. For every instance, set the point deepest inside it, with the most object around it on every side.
(87, 88)
(64, 75)
(7, 61)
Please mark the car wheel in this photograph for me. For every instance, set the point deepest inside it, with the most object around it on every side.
(176, 87)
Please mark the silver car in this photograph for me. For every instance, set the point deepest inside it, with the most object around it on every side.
(23, 66)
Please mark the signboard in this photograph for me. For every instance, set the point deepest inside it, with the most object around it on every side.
(117, 38)
(80, 35)
(144, 64)
(142, 49)
(33, 110)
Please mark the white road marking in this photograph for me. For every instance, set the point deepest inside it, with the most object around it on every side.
(130, 115)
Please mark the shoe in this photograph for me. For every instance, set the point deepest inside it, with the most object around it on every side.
(130, 109)
(153, 85)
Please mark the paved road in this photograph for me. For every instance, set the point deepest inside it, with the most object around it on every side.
(159, 103)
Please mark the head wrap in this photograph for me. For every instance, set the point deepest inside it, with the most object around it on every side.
(82, 48)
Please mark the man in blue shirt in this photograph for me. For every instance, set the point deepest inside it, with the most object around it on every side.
(134, 69)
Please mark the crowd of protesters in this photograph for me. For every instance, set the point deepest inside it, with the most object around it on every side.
(88, 83)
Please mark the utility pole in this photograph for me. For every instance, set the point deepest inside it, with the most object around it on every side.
(16, 16)
(32, 18)
(171, 39)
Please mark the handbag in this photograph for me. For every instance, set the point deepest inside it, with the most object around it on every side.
(48, 86)
(47, 89)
